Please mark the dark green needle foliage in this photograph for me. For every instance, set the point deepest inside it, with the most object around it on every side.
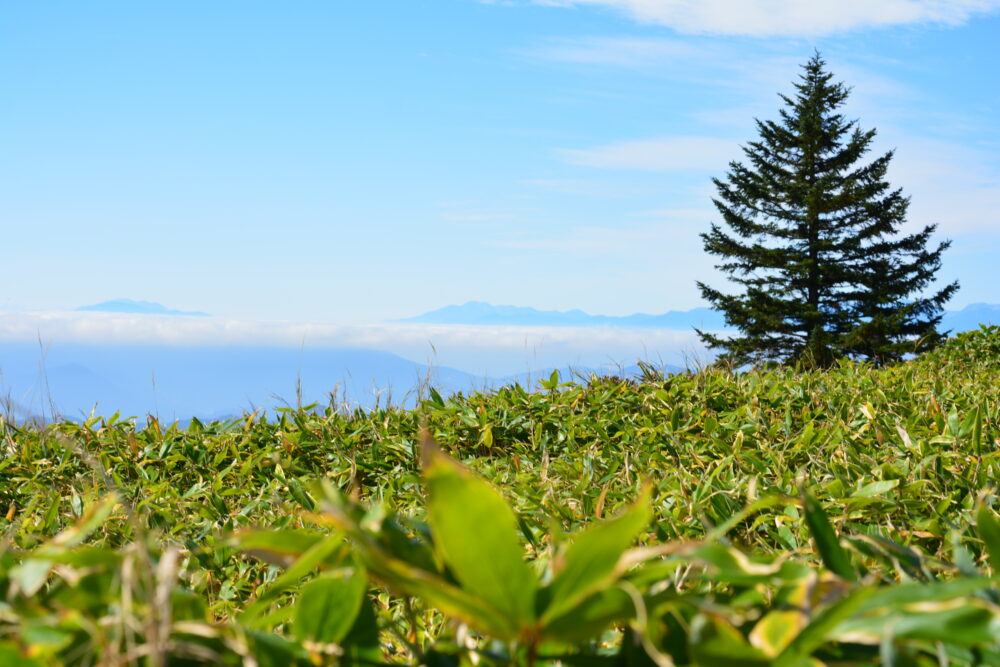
(813, 242)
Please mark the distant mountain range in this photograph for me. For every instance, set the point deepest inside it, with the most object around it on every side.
(482, 313)
(138, 307)
(478, 312)
(970, 317)
(178, 382)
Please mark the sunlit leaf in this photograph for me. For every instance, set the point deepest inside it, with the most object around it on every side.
(827, 544)
(477, 535)
(713, 641)
(328, 606)
(988, 528)
(821, 627)
(591, 559)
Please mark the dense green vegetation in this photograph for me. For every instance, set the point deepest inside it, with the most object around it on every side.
(779, 516)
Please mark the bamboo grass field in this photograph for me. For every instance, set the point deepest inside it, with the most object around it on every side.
(777, 516)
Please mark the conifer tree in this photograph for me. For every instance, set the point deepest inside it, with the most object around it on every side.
(813, 241)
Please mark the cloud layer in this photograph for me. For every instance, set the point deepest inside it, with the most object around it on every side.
(481, 350)
(763, 18)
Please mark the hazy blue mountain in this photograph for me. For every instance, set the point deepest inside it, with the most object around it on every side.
(970, 317)
(478, 312)
(138, 307)
(179, 382)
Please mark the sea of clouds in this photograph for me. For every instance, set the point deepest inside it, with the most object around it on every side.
(483, 350)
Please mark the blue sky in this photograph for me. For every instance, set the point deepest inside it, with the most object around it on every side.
(351, 162)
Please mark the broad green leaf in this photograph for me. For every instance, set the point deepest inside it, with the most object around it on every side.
(328, 605)
(301, 496)
(92, 519)
(11, 656)
(591, 559)
(732, 565)
(82, 556)
(876, 488)
(407, 570)
(477, 535)
(280, 547)
(779, 628)
(397, 538)
(713, 641)
(30, 574)
(892, 597)
(766, 502)
(435, 397)
(821, 627)
(892, 554)
(988, 528)
(977, 431)
(361, 645)
(271, 650)
(590, 617)
(330, 550)
(43, 638)
(827, 544)
(776, 630)
(405, 579)
(651, 572)
(968, 621)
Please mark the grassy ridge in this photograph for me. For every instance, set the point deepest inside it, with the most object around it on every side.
(902, 455)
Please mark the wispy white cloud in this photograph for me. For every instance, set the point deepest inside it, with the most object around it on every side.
(763, 18)
(754, 74)
(681, 153)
